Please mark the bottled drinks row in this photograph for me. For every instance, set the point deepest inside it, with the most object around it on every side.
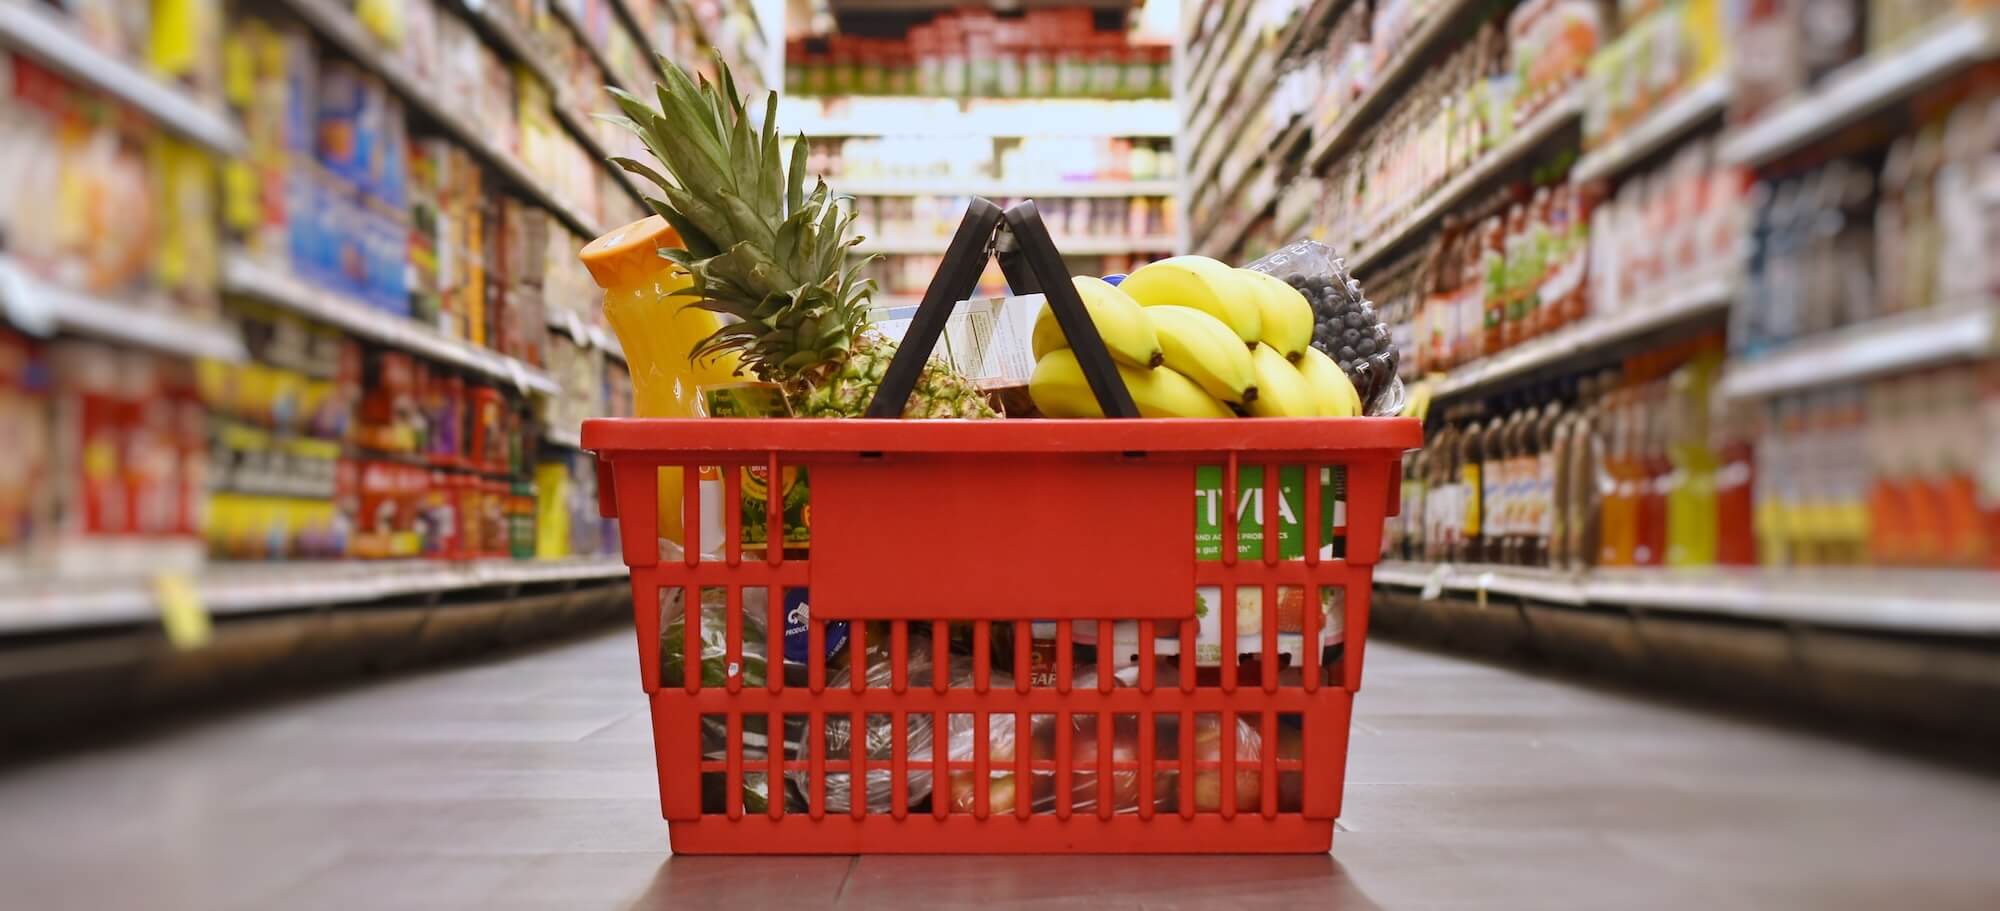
(1644, 467)
(1870, 232)
(1527, 260)
(1782, 49)
(1878, 231)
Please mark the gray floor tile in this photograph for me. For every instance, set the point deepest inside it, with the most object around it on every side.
(528, 783)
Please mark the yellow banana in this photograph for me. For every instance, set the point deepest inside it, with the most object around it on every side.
(1127, 332)
(1330, 387)
(1281, 391)
(1059, 390)
(1201, 283)
(1201, 348)
(1286, 314)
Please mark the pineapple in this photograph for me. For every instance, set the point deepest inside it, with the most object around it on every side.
(762, 249)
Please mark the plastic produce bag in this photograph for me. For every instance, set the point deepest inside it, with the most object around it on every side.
(714, 634)
(881, 737)
(714, 673)
(1344, 322)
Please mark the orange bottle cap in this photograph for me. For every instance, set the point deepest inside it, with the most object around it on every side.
(629, 254)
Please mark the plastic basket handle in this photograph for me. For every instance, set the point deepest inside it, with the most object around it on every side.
(1031, 263)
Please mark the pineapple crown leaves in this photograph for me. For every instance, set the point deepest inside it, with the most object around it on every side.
(761, 247)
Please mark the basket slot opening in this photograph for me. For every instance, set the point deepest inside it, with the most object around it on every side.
(798, 775)
(1290, 757)
(874, 776)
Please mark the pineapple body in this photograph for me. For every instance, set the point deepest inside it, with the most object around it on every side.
(940, 392)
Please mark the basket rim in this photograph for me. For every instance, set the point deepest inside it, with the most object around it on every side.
(652, 436)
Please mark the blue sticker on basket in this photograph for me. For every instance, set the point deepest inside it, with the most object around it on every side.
(798, 623)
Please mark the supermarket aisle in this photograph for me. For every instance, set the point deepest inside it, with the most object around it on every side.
(527, 783)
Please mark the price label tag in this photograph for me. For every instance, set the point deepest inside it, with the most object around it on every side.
(520, 376)
(182, 614)
(576, 329)
(1434, 583)
(25, 307)
(1485, 581)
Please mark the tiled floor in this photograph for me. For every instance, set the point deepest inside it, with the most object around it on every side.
(528, 783)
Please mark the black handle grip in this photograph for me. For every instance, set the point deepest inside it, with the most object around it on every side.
(1033, 248)
(1029, 259)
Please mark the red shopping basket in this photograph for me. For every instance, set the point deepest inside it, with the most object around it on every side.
(1030, 578)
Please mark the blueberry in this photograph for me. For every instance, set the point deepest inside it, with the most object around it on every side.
(1350, 336)
(1347, 353)
(1366, 347)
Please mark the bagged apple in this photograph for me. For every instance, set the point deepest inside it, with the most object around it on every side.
(880, 743)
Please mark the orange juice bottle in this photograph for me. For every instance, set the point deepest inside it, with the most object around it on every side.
(658, 334)
(1619, 508)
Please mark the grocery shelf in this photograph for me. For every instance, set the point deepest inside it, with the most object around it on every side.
(337, 25)
(1676, 118)
(1518, 581)
(1885, 76)
(1212, 141)
(566, 437)
(51, 604)
(510, 40)
(1069, 246)
(1416, 51)
(580, 128)
(1259, 89)
(502, 32)
(245, 275)
(1219, 234)
(1938, 602)
(1212, 105)
(586, 335)
(1909, 600)
(933, 118)
(1566, 346)
(43, 35)
(609, 342)
(1224, 236)
(981, 186)
(43, 308)
(583, 39)
(625, 16)
(1920, 338)
(1490, 167)
(1202, 74)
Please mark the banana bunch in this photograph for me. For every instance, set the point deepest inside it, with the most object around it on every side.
(1194, 338)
